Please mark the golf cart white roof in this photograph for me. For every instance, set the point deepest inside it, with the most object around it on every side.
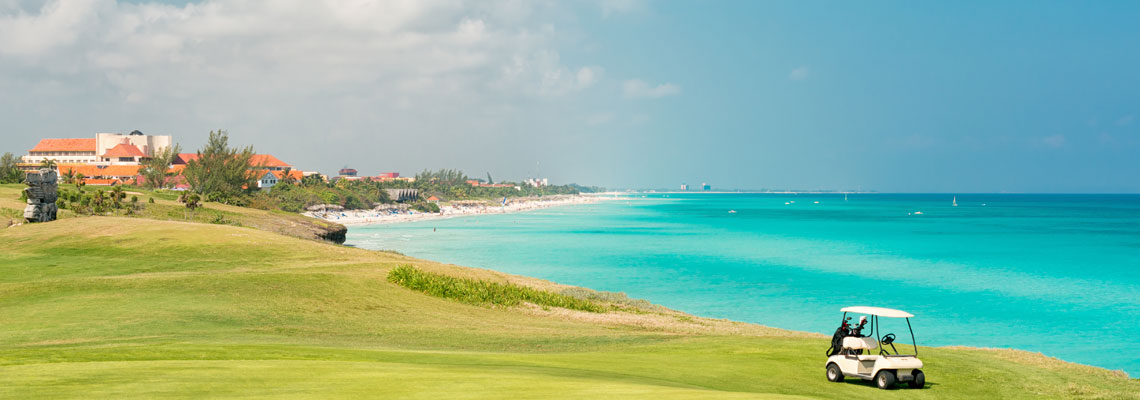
(878, 311)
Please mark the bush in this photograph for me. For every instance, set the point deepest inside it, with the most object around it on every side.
(479, 292)
(611, 297)
(352, 202)
(426, 207)
(150, 200)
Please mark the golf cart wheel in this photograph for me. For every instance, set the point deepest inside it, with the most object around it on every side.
(919, 380)
(833, 373)
(885, 379)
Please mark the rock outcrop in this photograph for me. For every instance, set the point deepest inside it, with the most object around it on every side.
(41, 193)
(335, 233)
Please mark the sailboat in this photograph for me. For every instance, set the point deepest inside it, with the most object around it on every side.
(955, 201)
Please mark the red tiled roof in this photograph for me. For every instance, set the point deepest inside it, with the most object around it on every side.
(101, 182)
(65, 145)
(124, 150)
(184, 158)
(258, 160)
(266, 160)
(95, 170)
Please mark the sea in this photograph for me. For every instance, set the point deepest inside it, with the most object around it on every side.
(1050, 273)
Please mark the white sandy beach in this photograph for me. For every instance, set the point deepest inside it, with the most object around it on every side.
(368, 217)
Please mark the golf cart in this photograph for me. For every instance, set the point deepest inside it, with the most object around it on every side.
(855, 354)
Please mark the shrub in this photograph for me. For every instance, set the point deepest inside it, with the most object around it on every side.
(426, 207)
(611, 297)
(150, 200)
(472, 291)
(352, 202)
(220, 219)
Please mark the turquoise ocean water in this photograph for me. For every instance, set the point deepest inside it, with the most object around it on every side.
(1057, 274)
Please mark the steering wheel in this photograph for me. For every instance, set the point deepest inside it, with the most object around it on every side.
(887, 340)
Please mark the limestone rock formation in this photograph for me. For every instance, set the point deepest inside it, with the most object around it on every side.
(41, 193)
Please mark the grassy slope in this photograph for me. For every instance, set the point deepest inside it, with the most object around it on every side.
(166, 208)
(118, 307)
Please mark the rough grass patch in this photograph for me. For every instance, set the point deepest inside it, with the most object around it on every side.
(478, 292)
(617, 298)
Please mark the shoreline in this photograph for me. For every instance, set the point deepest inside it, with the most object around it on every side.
(451, 210)
(954, 344)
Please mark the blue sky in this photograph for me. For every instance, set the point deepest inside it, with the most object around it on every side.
(891, 96)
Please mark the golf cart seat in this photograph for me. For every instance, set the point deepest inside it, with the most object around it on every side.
(860, 343)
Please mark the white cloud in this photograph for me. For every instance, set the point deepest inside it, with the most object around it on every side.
(54, 25)
(1055, 141)
(543, 74)
(1125, 120)
(281, 74)
(639, 89)
(290, 46)
(588, 76)
(799, 74)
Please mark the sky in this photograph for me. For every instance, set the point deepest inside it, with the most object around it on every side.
(894, 96)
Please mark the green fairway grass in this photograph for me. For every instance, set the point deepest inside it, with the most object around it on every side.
(113, 307)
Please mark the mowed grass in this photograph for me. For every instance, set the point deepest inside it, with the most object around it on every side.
(105, 307)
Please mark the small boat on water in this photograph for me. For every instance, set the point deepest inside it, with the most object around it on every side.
(955, 201)
(732, 211)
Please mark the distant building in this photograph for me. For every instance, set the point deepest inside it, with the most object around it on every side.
(347, 172)
(269, 162)
(260, 161)
(101, 182)
(388, 175)
(267, 181)
(705, 186)
(122, 173)
(269, 178)
(72, 151)
(123, 153)
(536, 182)
(684, 187)
(306, 174)
(130, 148)
(105, 148)
(402, 195)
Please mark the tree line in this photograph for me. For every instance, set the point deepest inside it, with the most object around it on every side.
(223, 173)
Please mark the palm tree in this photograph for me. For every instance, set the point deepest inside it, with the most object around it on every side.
(69, 176)
(97, 200)
(79, 183)
(49, 164)
(286, 177)
(117, 195)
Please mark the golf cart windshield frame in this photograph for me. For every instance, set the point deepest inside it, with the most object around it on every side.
(875, 328)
